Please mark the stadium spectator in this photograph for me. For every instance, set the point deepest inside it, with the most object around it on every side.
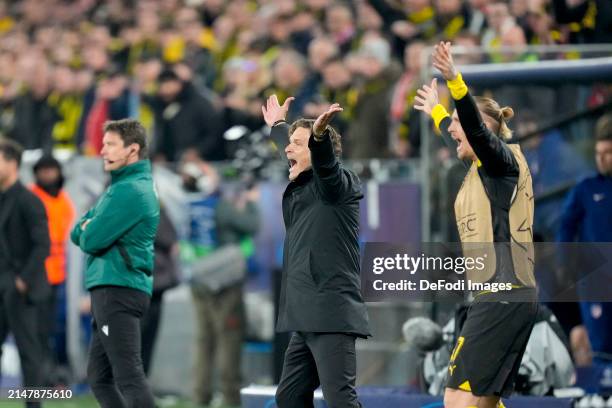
(220, 313)
(405, 123)
(109, 99)
(33, 117)
(184, 119)
(503, 32)
(336, 86)
(340, 23)
(452, 17)
(590, 21)
(290, 71)
(66, 100)
(368, 131)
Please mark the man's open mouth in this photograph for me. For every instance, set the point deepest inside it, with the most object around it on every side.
(292, 163)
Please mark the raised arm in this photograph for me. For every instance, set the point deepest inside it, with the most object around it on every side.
(427, 101)
(274, 114)
(333, 181)
(493, 153)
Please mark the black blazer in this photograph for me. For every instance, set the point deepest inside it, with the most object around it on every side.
(24, 241)
(321, 286)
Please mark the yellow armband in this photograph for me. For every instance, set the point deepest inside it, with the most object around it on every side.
(438, 113)
(457, 87)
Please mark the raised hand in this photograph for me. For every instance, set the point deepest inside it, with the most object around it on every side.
(273, 111)
(427, 97)
(323, 120)
(443, 60)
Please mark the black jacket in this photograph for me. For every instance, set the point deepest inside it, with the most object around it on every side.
(321, 284)
(165, 272)
(34, 120)
(191, 121)
(24, 241)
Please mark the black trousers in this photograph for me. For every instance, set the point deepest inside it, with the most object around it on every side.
(46, 332)
(313, 359)
(18, 315)
(150, 329)
(115, 370)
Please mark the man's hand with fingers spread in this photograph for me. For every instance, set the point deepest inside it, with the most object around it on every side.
(324, 119)
(442, 59)
(427, 97)
(274, 111)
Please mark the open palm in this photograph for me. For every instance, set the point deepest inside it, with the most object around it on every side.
(274, 111)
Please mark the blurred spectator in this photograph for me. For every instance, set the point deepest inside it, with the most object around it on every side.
(590, 21)
(220, 314)
(544, 151)
(184, 119)
(290, 71)
(368, 132)
(33, 117)
(199, 43)
(420, 22)
(217, 314)
(452, 17)
(24, 245)
(335, 88)
(144, 40)
(108, 100)
(67, 103)
(503, 32)
(478, 22)
(405, 122)
(165, 276)
(587, 217)
(540, 28)
(48, 187)
(468, 50)
(243, 84)
(320, 51)
(340, 23)
(367, 18)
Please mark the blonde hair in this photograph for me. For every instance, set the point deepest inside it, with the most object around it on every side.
(603, 128)
(499, 115)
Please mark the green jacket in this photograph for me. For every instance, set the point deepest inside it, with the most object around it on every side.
(119, 238)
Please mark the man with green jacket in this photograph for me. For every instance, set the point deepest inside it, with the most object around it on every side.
(117, 235)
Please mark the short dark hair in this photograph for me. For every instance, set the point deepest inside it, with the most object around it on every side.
(130, 131)
(603, 128)
(333, 134)
(11, 150)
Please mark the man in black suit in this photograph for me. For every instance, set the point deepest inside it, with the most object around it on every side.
(24, 246)
(320, 300)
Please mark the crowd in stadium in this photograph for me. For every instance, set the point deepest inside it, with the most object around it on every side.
(191, 69)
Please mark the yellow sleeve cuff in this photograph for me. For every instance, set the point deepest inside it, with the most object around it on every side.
(438, 113)
(457, 87)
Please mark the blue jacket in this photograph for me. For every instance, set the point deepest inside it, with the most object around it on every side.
(587, 214)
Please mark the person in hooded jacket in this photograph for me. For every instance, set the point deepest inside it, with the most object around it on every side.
(48, 187)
